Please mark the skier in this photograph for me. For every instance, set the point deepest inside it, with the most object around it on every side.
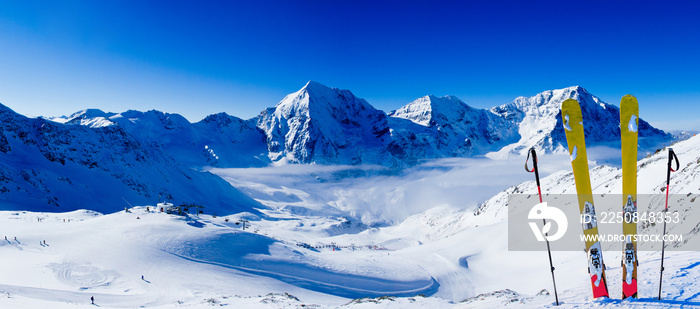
(142, 278)
(92, 299)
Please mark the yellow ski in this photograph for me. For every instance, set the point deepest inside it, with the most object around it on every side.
(573, 126)
(629, 122)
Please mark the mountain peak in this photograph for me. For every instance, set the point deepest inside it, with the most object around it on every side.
(575, 91)
(91, 117)
(313, 85)
(576, 88)
(323, 124)
(550, 99)
(318, 98)
(90, 113)
(434, 102)
(319, 92)
(218, 117)
(423, 110)
(448, 98)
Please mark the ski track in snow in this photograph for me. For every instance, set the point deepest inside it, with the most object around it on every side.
(350, 286)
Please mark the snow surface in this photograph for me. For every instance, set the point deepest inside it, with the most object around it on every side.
(453, 251)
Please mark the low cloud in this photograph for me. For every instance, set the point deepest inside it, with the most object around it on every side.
(377, 195)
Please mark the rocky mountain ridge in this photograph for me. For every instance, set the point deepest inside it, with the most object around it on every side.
(325, 125)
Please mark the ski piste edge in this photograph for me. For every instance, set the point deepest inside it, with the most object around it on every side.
(629, 123)
(573, 127)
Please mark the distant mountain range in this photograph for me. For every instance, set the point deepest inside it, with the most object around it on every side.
(318, 124)
(98, 158)
(48, 166)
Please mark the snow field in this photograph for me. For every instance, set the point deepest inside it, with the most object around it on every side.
(447, 247)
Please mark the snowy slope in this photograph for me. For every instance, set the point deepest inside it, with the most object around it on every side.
(605, 179)
(55, 167)
(454, 252)
(105, 256)
(464, 246)
(477, 238)
(453, 257)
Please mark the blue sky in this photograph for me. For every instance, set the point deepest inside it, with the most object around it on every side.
(240, 57)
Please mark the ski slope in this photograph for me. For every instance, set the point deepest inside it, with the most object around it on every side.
(197, 262)
(327, 238)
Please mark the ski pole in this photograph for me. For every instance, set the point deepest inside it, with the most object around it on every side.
(671, 157)
(539, 193)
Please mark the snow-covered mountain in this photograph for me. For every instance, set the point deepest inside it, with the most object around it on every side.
(218, 140)
(456, 129)
(448, 127)
(47, 166)
(539, 123)
(230, 141)
(319, 124)
(93, 118)
(325, 125)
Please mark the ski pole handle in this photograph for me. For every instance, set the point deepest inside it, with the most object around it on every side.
(672, 157)
(531, 152)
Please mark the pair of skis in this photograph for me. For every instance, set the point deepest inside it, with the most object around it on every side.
(629, 123)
